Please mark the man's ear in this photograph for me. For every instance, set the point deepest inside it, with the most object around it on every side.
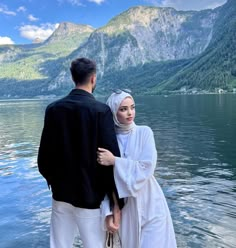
(93, 79)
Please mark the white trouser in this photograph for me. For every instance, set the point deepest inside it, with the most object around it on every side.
(67, 221)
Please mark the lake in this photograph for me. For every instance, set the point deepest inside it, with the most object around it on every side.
(196, 143)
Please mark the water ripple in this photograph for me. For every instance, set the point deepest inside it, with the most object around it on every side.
(196, 169)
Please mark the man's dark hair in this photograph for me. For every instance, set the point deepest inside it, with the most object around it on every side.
(81, 69)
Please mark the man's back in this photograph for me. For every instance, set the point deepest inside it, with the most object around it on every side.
(75, 127)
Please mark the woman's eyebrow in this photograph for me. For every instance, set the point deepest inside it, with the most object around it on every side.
(124, 106)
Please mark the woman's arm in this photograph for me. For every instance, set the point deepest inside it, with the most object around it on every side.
(132, 174)
(113, 221)
(110, 219)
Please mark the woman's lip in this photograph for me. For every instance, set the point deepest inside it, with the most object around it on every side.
(130, 118)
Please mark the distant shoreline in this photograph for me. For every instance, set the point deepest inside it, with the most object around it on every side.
(164, 95)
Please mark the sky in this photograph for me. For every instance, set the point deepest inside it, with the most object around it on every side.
(22, 21)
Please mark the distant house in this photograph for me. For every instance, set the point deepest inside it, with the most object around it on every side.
(183, 89)
(194, 90)
(219, 90)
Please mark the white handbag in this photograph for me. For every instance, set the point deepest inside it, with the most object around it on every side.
(113, 240)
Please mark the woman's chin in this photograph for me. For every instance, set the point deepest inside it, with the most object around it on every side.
(129, 122)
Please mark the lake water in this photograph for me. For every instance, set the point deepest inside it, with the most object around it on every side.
(196, 142)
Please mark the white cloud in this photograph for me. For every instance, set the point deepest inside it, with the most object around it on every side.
(97, 1)
(32, 18)
(21, 9)
(6, 40)
(188, 4)
(4, 10)
(42, 32)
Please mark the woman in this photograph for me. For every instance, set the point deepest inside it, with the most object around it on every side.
(146, 220)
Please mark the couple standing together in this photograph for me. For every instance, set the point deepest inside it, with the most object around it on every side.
(99, 165)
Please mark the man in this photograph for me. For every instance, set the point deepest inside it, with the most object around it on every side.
(74, 127)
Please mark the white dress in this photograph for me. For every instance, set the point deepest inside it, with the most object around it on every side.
(146, 220)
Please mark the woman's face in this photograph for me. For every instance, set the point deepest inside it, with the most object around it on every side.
(126, 111)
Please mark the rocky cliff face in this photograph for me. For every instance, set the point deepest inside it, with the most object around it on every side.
(215, 67)
(144, 34)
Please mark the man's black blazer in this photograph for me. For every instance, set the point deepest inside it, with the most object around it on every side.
(74, 127)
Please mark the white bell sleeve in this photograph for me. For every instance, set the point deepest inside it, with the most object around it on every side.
(105, 211)
(132, 174)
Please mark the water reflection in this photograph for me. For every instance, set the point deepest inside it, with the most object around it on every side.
(196, 143)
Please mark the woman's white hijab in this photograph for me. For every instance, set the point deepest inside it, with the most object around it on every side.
(114, 101)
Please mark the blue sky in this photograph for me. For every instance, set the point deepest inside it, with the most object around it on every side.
(24, 20)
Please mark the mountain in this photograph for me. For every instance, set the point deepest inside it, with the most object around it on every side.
(216, 66)
(142, 35)
(30, 62)
(149, 49)
(145, 34)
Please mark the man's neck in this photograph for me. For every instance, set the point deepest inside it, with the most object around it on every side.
(84, 87)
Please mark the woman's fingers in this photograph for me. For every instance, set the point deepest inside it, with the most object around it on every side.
(101, 149)
(99, 156)
(105, 157)
(111, 227)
